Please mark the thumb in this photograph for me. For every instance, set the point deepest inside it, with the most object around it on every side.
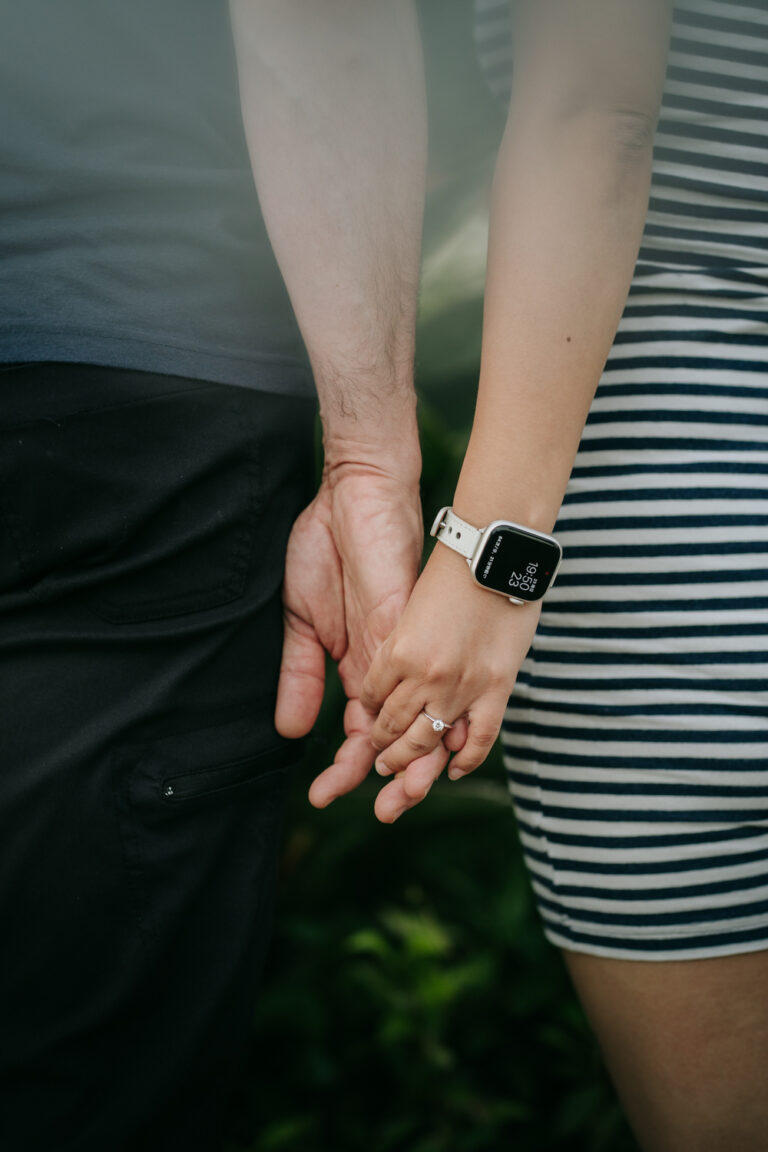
(302, 678)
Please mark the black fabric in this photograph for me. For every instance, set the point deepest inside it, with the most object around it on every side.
(130, 229)
(142, 536)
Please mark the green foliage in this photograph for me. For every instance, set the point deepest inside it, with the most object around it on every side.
(411, 1001)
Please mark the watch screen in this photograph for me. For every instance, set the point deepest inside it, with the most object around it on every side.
(517, 564)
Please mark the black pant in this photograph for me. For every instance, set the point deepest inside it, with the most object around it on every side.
(143, 523)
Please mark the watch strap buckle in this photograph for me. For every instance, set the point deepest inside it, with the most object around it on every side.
(450, 529)
(438, 521)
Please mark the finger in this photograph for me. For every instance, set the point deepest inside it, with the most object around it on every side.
(421, 774)
(484, 725)
(419, 739)
(397, 714)
(380, 680)
(392, 801)
(396, 798)
(456, 736)
(350, 767)
(302, 678)
(352, 762)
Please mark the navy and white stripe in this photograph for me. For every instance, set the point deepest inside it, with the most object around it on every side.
(637, 739)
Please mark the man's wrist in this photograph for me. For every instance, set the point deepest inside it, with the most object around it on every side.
(389, 446)
(402, 471)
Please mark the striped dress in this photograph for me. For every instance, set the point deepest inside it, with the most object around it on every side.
(636, 742)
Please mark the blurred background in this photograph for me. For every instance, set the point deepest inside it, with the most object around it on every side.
(411, 1001)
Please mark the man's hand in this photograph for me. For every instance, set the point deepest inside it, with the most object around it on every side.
(353, 558)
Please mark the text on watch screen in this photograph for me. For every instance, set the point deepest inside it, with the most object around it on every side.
(516, 564)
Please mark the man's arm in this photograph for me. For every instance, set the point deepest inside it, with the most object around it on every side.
(334, 110)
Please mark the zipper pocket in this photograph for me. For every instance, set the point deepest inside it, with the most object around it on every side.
(204, 781)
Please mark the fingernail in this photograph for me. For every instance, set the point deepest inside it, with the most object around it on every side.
(382, 769)
(456, 773)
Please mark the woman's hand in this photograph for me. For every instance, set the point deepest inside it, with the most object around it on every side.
(455, 654)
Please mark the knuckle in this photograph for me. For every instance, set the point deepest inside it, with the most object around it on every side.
(484, 739)
(369, 701)
(388, 724)
(436, 668)
(385, 731)
(418, 745)
(417, 789)
(496, 677)
(403, 654)
(394, 756)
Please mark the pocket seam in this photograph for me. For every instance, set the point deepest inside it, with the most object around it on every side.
(275, 750)
(32, 421)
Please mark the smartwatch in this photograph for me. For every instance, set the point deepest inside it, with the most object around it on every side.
(507, 558)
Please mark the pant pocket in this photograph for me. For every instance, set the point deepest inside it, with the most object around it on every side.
(200, 817)
(147, 506)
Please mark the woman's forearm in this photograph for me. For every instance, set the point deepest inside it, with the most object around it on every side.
(565, 230)
(569, 201)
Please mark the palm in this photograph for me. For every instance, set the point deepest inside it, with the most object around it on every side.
(378, 537)
(352, 560)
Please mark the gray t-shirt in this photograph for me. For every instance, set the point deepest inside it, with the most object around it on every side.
(130, 230)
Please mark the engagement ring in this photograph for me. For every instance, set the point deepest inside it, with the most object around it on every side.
(438, 725)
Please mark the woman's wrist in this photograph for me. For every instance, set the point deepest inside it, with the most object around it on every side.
(450, 571)
(480, 505)
(507, 476)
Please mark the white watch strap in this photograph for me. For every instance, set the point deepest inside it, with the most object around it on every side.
(450, 529)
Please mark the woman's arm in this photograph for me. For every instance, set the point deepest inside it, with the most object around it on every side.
(569, 201)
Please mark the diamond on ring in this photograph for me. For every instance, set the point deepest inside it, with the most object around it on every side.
(437, 724)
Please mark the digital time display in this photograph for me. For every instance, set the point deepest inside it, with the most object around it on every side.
(516, 563)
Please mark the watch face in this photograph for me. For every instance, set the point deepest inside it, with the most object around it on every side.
(516, 562)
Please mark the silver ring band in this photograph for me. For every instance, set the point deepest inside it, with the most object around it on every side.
(438, 725)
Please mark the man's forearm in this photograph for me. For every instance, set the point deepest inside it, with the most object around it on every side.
(335, 117)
